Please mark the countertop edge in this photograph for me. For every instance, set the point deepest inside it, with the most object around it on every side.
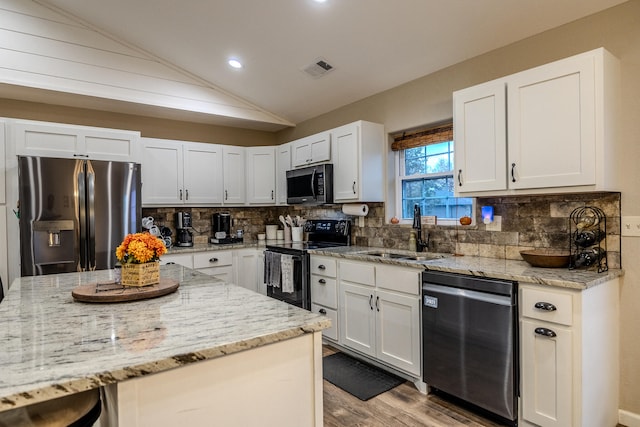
(52, 391)
(504, 269)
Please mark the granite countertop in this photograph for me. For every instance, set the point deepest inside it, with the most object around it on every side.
(205, 247)
(53, 345)
(519, 271)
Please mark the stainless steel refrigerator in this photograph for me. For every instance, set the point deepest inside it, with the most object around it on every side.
(74, 213)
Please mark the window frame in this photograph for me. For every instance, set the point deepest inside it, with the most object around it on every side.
(400, 176)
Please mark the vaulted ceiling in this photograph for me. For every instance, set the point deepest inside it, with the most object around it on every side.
(372, 45)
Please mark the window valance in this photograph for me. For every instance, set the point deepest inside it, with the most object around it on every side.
(420, 138)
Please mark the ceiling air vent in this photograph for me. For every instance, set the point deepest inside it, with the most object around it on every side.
(318, 69)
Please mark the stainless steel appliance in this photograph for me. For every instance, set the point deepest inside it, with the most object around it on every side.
(311, 185)
(184, 236)
(470, 340)
(74, 213)
(320, 234)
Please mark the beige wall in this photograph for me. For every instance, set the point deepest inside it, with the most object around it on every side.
(148, 126)
(428, 100)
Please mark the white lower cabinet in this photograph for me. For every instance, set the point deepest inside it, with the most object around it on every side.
(379, 313)
(569, 355)
(245, 268)
(324, 292)
(185, 260)
(215, 263)
(238, 266)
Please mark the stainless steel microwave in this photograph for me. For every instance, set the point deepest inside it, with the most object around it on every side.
(311, 185)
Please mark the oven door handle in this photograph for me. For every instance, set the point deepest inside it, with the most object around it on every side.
(295, 257)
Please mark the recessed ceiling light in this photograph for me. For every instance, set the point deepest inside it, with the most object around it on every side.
(320, 1)
(234, 63)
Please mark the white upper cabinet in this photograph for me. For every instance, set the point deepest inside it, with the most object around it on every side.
(234, 175)
(550, 128)
(358, 162)
(261, 175)
(162, 172)
(44, 139)
(178, 173)
(311, 149)
(202, 173)
(283, 164)
(480, 137)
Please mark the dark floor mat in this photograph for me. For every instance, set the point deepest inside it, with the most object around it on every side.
(357, 378)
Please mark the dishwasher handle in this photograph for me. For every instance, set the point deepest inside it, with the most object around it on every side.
(466, 293)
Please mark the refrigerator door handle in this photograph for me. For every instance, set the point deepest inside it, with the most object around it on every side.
(91, 214)
(82, 213)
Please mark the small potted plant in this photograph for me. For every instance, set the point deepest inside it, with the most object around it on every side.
(139, 255)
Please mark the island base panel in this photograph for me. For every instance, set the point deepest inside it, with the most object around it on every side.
(277, 384)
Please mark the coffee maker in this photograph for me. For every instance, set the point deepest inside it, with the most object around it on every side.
(221, 228)
(183, 223)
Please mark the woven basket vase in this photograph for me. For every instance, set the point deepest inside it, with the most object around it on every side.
(141, 274)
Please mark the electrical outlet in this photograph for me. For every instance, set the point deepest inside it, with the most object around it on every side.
(496, 225)
(631, 226)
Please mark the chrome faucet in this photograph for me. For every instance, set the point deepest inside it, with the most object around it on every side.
(417, 225)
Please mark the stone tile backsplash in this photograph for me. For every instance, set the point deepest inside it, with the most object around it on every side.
(528, 222)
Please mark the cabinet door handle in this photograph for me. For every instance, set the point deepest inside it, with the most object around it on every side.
(213, 260)
(459, 177)
(81, 155)
(180, 194)
(353, 187)
(186, 192)
(377, 303)
(546, 306)
(322, 281)
(322, 267)
(226, 195)
(322, 311)
(271, 194)
(371, 301)
(513, 172)
(545, 332)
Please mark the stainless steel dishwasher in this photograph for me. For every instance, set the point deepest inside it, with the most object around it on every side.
(470, 340)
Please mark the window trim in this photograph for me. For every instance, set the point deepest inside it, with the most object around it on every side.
(399, 162)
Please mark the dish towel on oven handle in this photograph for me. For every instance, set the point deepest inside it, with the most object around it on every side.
(286, 265)
(272, 269)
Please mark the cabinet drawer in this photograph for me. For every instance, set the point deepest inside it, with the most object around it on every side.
(212, 259)
(223, 273)
(185, 260)
(398, 279)
(323, 266)
(563, 303)
(332, 332)
(358, 273)
(324, 291)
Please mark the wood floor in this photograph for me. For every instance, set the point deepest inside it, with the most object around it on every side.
(401, 406)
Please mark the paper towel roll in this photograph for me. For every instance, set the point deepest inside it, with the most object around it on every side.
(356, 209)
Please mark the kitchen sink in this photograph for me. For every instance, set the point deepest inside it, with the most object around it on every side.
(391, 255)
(385, 255)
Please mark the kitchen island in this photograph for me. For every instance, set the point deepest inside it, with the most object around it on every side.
(210, 352)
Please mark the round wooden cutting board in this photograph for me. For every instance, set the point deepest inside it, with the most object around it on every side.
(111, 292)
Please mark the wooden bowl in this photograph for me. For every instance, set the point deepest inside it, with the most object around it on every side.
(546, 258)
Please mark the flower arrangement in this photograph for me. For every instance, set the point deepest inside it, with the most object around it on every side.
(140, 248)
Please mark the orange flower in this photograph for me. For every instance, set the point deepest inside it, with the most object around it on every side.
(139, 248)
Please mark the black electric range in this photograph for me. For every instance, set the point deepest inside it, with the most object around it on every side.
(323, 233)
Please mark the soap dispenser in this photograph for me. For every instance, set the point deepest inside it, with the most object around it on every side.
(413, 243)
